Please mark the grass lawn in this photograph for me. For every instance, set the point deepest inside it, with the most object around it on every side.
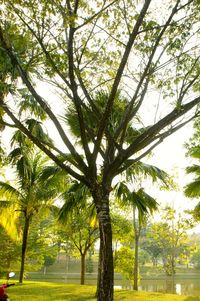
(45, 291)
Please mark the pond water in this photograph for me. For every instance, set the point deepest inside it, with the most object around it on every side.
(189, 287)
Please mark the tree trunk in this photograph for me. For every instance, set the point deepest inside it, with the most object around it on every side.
(137, 235)
(83, 269)
(135, 281)
(105, 270)
(24, 247)
(99, 269)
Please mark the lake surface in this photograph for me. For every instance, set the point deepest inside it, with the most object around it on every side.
(189, 287)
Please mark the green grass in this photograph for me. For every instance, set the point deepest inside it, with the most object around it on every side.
(45, 291)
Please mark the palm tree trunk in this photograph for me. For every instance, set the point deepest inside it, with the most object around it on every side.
(83, 269)
(106, 274)
(135, 281)
(24, 247)
(136, 231)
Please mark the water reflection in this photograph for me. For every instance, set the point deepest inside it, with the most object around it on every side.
(186, 287)
(172, 286)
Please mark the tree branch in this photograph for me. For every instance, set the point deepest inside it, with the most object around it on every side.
(150, 135)
(45, 107)
(96, 15)
(105, 117)
(77, 100)
(128, 113)
(37, 142)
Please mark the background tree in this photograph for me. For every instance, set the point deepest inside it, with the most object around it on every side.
(124, 262)
(171, 238)
(196, 259)
(42, 247)
(153, 249)
(9, 253)
(81, 231)
(79, 222)
(122, 231)
(81, 48)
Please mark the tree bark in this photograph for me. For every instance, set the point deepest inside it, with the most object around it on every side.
(24, 247)
(99, 271)
(83, 269)
(105, 272)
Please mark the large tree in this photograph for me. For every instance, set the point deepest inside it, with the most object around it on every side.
(146, 50)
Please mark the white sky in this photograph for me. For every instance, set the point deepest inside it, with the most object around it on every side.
(170, 156)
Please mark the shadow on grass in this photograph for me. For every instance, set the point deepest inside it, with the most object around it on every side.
(84, 298)
(192, 299)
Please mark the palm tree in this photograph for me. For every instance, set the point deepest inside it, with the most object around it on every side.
(142, 205)
(30, 193)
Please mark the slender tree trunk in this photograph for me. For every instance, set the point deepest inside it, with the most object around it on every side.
(135, 281)
(83, 269)
(24, 247)
(106, 274)
(137, 235)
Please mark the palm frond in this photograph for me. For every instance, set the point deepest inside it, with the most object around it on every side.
(9, 192)
(8, 220)
(28, 103)
(50, 172)
(149, 202)
(144, 203)
(4, 204)
(23, 169)
(35, 127)
(192, 190)
(193, 169)
(121, 190)
(15, 155)
(145, 171)
(196, 212)
(54, 176)
(75, 198)
(69, 205)
(195, 152)
(18, 139)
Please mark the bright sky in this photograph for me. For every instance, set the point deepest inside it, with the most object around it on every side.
(170, 156)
